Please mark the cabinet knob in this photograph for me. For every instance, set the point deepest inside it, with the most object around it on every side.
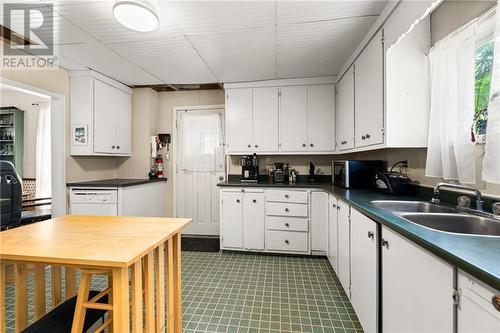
(249, 146)
(367, 135)
(304, 145)
(286, 241)
(254, 201)
(338, 207)
(256, 146)
(287, 210)
(287, 196)
(384, 243)
(371, 234)
(287, 225)
(117, 147)
(496, 302)
(112, 147)
(221, 178)
(363, 137)
(238, 200)
(311, 145)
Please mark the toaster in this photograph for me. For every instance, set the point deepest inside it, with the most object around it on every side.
(393, 183)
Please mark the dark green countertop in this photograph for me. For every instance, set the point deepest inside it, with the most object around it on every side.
(476, 255)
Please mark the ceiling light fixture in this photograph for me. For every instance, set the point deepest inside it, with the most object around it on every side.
(136, 15)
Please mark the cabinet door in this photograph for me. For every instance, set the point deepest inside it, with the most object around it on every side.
(265, 119)
(320, 117)
(253, 221)
(231, 224)
(369, 94)
(123, 122)
(345, 111)
(364, 270)
(332, 234)
(344, 246)
(239, 120)
(319, 221)
(417, 288)
(476, 312)
(293, 119)
(105, 118)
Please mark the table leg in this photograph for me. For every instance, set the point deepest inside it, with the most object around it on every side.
(56, 285)
(137, 298)
(149, 296)
(121, 311)
(2, 297)
(21, 297)
(177, 283)
(39, 292)
(160, 288)
(170, 286)
(70, 282)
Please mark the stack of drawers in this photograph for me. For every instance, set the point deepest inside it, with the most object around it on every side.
(287, 221)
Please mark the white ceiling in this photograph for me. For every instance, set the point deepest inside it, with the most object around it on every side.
(214, 41)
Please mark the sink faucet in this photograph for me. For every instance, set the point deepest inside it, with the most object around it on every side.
(435, 195)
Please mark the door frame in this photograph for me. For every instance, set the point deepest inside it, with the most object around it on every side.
(173, 159)
(58, 141)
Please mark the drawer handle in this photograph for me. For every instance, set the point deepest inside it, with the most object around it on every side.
(287, 242)
(254, 201)
(496, 302)
(287, 210)
(238, 200)
(371, 234)
(287, 225)
(287, 196)
(384, 243)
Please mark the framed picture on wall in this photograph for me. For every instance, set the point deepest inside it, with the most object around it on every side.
(80, 135)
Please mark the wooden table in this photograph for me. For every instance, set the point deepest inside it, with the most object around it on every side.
(118, 244)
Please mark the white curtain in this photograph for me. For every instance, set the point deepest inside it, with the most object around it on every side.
(450, 153)
(200, 141)
(43, 153)
(491, 161)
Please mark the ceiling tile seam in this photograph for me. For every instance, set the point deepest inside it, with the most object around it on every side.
(92, 36)
(199, 55)
(332, 20)
(216, 32)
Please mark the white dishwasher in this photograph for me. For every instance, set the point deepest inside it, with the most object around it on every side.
(93, 201)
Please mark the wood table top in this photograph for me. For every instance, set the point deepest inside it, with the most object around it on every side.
(110, 241)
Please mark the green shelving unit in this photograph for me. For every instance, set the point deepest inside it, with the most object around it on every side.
(11, 136)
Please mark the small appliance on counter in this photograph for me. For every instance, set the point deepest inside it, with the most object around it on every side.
(250, 169)
(391, 182)
(312, 167)
(279, 172)
(354, 173)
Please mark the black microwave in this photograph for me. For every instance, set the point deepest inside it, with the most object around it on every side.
(354, 173)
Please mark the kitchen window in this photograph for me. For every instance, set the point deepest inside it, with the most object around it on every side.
(484, 64)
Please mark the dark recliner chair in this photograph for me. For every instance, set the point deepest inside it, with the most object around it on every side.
(11, 196)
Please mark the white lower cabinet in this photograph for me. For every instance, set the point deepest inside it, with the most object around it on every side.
(253, 221)
(344, 271)
(333, 234)
(417, 288)
(364, 270)
(231, 226)
(319, 222)
(476, 312)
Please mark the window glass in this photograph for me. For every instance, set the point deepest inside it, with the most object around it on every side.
(484, 64)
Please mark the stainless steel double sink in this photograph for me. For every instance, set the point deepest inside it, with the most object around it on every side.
(441, 218)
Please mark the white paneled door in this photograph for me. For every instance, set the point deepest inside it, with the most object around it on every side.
(199, 167)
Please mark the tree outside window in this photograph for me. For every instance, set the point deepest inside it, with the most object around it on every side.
(484, 64)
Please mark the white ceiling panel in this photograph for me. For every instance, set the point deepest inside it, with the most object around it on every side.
(320, 48)
(207, 17)
(309, 11)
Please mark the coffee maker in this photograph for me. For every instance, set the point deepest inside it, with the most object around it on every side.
(250, 169)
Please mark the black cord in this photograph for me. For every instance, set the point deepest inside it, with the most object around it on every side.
(399, 162)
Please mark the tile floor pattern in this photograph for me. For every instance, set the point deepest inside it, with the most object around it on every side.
(237, 292)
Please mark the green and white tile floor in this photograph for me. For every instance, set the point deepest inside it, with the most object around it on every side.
(236, 292)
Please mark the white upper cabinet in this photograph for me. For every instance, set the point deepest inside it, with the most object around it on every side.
(320, 117)
(265, 119)
(345, 111)
(293, 122)
(369, 94)
(239, 119)
(100, 115)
